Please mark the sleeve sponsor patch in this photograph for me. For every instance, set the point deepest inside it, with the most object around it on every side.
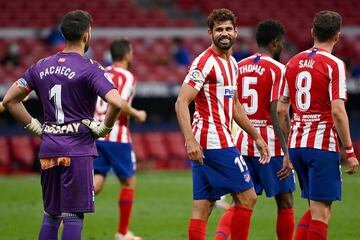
(108, 77)
(196, 75)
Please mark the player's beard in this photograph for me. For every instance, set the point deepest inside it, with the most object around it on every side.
(223, 46)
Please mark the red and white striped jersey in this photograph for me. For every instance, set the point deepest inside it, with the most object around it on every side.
(125, 83)
(259, 81)
(215, 79)
(313, 79)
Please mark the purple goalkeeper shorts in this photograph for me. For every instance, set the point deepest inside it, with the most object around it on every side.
(69, 189)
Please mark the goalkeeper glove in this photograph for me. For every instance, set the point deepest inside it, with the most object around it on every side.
(34, 127)
(99, 129)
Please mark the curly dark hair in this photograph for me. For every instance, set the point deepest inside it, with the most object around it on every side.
(220, 15)
(267, 31)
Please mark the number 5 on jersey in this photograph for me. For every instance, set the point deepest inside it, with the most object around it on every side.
(252, 93)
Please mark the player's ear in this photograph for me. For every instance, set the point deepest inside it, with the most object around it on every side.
(209, 32)
(273, 44)
(312, 33)
(337, 37)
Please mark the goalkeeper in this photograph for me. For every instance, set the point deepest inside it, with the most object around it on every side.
(67, 85)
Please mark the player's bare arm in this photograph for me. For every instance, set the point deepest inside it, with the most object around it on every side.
(103, 128)
(282, 109)
(186, 96)
(287, 167)
(243, 121)
(342, 126)
(139, 115)
(13, 103)
(2, 108)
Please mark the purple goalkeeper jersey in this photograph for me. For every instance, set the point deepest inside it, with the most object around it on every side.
(67, 85)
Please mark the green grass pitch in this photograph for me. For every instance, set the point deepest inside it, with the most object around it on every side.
(161, 211)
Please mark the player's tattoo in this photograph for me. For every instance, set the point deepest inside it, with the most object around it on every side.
(277, 128)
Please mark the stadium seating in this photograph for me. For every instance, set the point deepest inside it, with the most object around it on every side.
(152, 57)
(22, 153)
(5, 159)
(154, 150)
(107, 13)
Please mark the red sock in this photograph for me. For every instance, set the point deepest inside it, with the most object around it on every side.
(285, 224)
(223, 229)
(125, 203)
(197, 229)
(303, 226)
(317, 230)
(240, 223)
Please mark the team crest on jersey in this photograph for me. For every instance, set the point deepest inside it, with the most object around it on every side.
(229, 92)
(196, 75)
(297, 117)
(101, 67)
(247, 177)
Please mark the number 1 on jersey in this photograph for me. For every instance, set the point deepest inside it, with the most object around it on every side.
(55, 92)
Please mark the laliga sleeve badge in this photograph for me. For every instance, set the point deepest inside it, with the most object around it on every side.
(196, 75)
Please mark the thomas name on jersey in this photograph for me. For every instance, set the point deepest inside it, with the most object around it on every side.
(252, 68)
(62, 70)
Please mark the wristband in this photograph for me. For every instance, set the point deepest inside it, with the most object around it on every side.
(349, 152)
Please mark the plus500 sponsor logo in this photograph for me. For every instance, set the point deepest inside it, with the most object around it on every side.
(229, 92)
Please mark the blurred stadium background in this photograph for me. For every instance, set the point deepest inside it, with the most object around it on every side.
(164, 34)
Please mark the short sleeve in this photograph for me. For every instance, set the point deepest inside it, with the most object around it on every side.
(195, 78)
(278, 78)
(100, 81)
(337, 85)
(284, 87)
(127, 86)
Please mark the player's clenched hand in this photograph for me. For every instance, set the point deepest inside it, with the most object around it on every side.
(141, 116)
(98, 128)
(34, 127)
(353, 165)
(194, 151)
(264, 150)
(286, 169)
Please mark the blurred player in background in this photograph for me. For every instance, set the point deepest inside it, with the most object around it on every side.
(217, 166)
(315, 87)
(67, 85)
(259, 81)
(115, 150)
